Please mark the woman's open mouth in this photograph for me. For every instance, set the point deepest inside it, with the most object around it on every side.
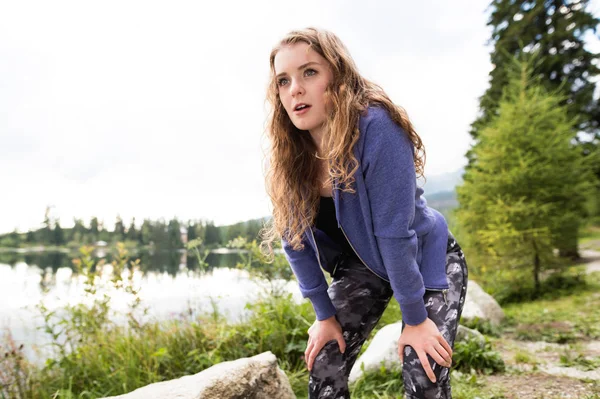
(301, 109)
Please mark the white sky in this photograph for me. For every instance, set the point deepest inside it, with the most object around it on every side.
(156, 109)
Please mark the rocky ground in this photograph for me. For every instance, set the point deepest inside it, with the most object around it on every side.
(543, 370)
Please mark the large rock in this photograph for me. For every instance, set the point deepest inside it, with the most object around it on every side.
(465, 334)
(480, 304)
(256, 377)
(383, 349)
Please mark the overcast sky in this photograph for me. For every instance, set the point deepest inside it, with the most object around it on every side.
(156, 109)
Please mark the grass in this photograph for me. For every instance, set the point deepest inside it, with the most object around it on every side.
(104, 359)
(590, 237)
(585, 363)
(387, 384)
(94, 357)
(563, 319)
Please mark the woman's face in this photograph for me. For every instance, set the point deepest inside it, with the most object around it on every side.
(302, 75)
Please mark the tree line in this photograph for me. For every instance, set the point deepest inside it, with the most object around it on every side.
(157, 233)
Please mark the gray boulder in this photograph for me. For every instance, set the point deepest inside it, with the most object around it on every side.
(383, 349)
(480, 304)
(256, 377)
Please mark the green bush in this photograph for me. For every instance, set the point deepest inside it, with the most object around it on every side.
(470, 354)
(483, 326)
(94, 357)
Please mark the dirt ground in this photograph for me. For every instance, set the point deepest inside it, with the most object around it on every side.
(541, 386)
(534, 369)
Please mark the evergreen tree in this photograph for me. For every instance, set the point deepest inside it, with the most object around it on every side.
(58, 235)
(103, 233)
(132, 233)
(79, 232)
(233, 231)
(146, 232)
(94, 229)
(174, 235)
(253, 228)
(119, 233)
(554, 28)
(159, 238)
(46, 231)
(191, 231)
(30, 237)
(212, 234)
(525, 192)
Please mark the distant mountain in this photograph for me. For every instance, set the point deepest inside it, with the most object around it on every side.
(443, 182)
(444, 201)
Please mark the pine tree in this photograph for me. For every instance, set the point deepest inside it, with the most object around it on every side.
(212, 234)
(94, 229)
(526, 190)
(554, 28)
(191, 231)
(146, 232)
(46, 231)
(58, 235)
(174, 235)
(119, 233)
(79, 232)
(132, 233)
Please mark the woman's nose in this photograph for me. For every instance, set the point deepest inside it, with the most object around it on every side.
(296, 88)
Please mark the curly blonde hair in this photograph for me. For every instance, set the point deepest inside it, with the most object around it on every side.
(291, 179)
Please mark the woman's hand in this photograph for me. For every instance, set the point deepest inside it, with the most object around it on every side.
(426, 338)
(319, 334)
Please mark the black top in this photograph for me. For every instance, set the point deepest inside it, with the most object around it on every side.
(327, 222)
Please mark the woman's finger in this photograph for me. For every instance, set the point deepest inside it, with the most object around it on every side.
(435, 355)
(443, 353)
(425, 363)
(401, 351)
(313, 353)
(308, 351)
(446, 346)
(341, 342)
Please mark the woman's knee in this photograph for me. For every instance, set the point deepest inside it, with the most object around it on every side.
(416, 379)
(329, 362)
(328, 377)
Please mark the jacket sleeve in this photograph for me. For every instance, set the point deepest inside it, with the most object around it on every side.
(390, 180)
(311, 279)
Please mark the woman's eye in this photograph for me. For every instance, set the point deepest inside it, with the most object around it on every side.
(281, 81)
(310, 72)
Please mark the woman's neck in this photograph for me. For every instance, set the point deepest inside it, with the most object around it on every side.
(317, 136)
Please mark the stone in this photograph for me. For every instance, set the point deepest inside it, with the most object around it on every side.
(465, 333)
(480, 304)
(383, 349)
(257, 377)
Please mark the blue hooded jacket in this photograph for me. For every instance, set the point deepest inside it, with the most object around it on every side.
(387, 222)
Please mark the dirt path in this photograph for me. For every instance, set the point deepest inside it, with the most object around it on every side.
(592, 260)
(535, 370)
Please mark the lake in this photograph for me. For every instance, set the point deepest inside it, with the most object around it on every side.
(170, 282)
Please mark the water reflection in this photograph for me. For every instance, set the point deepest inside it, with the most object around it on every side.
(171, 262)
(171, 284)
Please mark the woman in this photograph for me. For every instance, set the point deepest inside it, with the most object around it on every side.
(342, 179)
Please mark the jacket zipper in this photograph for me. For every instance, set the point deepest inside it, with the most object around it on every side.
(316, 248)
(361, 259)
(444, 291)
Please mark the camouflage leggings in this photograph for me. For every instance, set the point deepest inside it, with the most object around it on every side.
(360, 298)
